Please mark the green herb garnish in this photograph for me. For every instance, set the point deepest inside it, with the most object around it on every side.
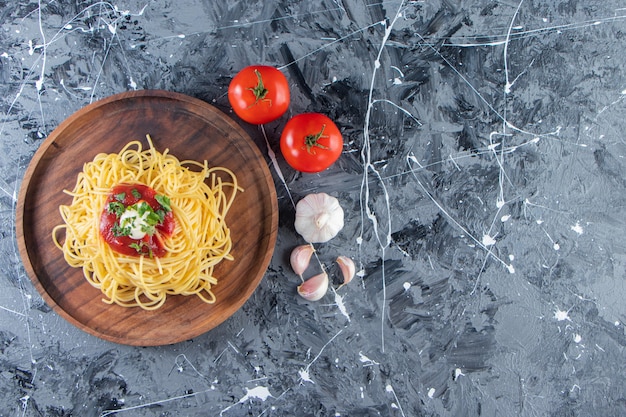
(119, 231)
(139, 247)
(164, 201)
(116, 208)
(161, 214)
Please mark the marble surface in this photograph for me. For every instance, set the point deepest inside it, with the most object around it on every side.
(483, 179)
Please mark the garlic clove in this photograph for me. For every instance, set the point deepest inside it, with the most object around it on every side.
(347, 268)
(314, 288)
(300, 258)
(319, 217)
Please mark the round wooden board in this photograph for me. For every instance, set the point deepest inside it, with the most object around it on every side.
(190, 129)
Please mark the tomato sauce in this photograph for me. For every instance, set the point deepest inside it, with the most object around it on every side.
(129, 194)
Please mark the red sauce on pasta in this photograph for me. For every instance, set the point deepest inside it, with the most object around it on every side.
(135, 219)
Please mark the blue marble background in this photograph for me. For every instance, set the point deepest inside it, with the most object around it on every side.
(483, 179)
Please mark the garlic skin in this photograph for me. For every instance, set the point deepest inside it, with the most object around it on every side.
(314, 288)
(348, 270)
(300, 258)
(319, 217)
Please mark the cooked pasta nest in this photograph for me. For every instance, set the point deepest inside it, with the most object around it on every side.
(200, 198)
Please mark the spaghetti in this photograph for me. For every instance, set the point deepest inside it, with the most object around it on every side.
(199, 198)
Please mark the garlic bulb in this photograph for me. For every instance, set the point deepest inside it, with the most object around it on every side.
(319, 217)
(347, 268)
(300, 258)
(314, 288)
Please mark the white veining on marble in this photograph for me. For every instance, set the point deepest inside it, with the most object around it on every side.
(548, 218)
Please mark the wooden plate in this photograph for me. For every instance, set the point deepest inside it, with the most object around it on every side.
(190, 129)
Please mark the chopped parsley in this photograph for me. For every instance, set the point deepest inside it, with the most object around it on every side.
(150, 217)
(116, 207)
(135, 193)
(164, 201)
(139, 247)
(139, 217)
(119, 231)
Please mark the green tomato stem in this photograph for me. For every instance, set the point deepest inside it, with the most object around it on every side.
(259, 90)
(312, 141)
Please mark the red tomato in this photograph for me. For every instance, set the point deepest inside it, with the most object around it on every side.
(311, 142)
(259, 94)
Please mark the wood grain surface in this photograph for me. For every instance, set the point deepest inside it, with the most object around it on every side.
(190, 129)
